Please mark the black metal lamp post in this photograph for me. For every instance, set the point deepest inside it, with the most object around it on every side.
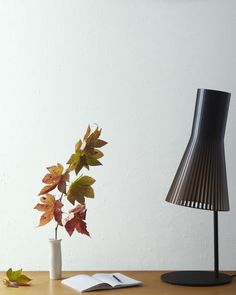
(200, 181)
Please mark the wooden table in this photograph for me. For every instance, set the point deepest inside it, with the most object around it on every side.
(41, 285)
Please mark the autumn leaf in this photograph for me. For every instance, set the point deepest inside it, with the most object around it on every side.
(76, 221)
(87, 133)
(57, 212)
(55, 178)
(81, 188)
(51, 208)
(91, 152)
(86, 152)
(16, 278)
(93, 140)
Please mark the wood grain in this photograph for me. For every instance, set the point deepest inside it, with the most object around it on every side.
(152, 285)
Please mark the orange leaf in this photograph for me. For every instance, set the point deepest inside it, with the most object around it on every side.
(47, 207)
(55, 178)
(56, 169)
(51, 178)
(47, 188)
(51, 208)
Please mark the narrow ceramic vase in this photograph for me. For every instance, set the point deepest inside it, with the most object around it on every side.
(55, 259)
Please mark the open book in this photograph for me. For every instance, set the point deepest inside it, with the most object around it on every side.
(100, 281)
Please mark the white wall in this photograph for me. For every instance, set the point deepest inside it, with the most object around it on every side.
(133, 67)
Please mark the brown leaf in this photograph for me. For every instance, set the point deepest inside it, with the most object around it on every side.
(62, 186)
(88, 131)
(81, 163)
(94, 136)
(57, 212)
(79, 167)
(90, 150)
(99, 143)
(92, 161)
(89, 155)
(66, 176)
(77, 221)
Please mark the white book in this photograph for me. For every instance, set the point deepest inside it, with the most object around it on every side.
(100, 281)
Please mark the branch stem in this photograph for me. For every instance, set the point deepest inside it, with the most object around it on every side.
(56, 228)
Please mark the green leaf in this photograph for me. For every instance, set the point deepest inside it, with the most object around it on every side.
(16, 278)
(81, 163)
(14, 275)
(22, 280)
(81, 188)
(89, 155)
(85, 180)
(89, 192)
(92, 161)
(73, 158)
(78, 146)
(9, 272)
(78, 168)
(98, 154)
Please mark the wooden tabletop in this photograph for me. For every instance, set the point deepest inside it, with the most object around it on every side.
(42, 285)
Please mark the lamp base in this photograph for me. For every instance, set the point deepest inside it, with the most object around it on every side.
(196, 278)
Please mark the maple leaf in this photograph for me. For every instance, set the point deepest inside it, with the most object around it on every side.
(57, 212)
(16, 278)
(55, 178)
(81, 188)
(51, 208)
(86, 152)
(77, 221)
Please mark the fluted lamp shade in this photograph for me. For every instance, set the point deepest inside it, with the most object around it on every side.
(200, 181)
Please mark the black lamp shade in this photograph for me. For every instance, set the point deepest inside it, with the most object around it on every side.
(200, 181)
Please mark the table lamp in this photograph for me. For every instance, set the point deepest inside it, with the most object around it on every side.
(200, 181)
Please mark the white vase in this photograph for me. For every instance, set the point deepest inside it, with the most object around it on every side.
(55, 259)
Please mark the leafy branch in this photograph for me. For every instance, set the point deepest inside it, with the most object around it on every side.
(86, 154)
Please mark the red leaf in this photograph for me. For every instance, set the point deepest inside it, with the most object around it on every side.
(62, 186)
(70, 225)
(57, 212)
(77, 221)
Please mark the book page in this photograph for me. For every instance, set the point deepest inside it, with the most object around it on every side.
(84, 282)
(126, 280)
(116, 280)
(107, 278)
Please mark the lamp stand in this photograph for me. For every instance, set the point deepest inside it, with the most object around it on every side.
(201, 278)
